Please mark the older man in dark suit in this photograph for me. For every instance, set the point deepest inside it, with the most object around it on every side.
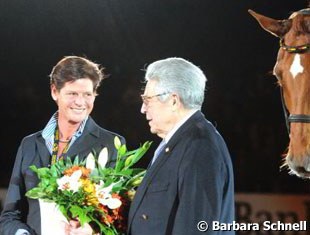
(70, 132)
(189, 184)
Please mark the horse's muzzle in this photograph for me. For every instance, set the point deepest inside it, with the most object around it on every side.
(301, 168)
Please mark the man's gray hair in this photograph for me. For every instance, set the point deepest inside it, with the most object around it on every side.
(177, 75)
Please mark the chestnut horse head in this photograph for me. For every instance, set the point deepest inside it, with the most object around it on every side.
(292, 70)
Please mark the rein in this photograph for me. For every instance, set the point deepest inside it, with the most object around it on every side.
(293, 118)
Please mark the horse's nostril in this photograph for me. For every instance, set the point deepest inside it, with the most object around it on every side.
(300, 169)
(303, 172)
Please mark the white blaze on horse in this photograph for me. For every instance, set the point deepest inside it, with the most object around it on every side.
(292, 70)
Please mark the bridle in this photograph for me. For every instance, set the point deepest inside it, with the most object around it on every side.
(293, 118)
(294, 49)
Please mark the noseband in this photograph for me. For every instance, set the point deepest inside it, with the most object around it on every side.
(293, 118)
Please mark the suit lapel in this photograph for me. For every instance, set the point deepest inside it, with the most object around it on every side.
(86, 142)
(82, 146)
(45, 156)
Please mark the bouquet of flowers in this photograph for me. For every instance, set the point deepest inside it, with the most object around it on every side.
(91, 193)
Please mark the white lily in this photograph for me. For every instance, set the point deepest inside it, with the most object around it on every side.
(101, 191)
(70, 183)
(103, 157)
(90, 161)
(113, 203)
(105, 198)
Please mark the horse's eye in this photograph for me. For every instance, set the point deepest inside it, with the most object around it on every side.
(306, 26)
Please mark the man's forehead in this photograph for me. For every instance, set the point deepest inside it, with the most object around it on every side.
(150, 86)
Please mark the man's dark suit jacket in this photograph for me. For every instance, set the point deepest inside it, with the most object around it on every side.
(23, 213)
(191, 181)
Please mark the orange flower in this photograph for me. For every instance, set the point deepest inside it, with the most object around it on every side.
(85, 171)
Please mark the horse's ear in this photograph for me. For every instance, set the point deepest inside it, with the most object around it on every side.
(276, 27)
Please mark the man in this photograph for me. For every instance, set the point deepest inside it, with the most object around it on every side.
(191, 177)
(70, 132)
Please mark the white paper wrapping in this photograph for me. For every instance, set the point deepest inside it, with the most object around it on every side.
(52, 220)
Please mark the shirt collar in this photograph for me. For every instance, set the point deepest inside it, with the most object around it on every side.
(178, 125)
(50, 127)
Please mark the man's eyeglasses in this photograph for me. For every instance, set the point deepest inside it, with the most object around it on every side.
(146, 99)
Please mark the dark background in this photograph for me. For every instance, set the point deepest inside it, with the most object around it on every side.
(242, 99)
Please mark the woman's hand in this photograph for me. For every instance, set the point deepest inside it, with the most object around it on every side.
(74, 228)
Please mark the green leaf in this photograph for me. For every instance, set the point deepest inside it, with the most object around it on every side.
(136, 179)
(81, 213)
(119, 166)
(33, 168)
(139, 153)
(34, 193)
(64, 211)
(76, 160)
(54, 171)
(68, 162)
(43, 172)
(126, 172)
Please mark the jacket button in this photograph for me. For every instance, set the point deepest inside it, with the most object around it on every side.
(144, 216)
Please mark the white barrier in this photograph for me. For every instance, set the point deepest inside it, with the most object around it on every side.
(278, 212)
